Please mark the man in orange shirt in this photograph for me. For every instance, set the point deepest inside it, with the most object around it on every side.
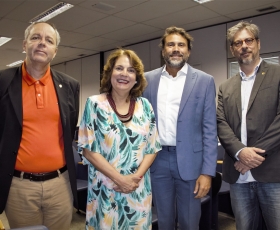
(39, 113)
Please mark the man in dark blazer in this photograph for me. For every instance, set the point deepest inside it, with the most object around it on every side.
(248, 117)
(39, 113)
(183, 99)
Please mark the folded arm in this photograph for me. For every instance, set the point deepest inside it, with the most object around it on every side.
(125, 183)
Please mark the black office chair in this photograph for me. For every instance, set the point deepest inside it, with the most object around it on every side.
(216, 187)
(82, 184)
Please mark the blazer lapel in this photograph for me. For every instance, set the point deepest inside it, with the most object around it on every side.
(61, 88)
(188, 87)
(258, 81)
(15, 93)
(237, 92)
(154, 91)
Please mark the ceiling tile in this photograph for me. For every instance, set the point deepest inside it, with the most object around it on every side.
(197, 13)
(154, 9)
(94, 43)
(251, 12)
(205, 23)
(31, 9)
(104, 26)
(67, 21)
(231, 6)
(88, 30)
(146, 37)
(112, 46)
(69, 51)
(69, 38)
(13, 45)
(119, 4)
(130, 32)
(7, 6)
(11, 28)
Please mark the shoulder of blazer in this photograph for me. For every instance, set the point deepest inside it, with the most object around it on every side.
(63, 76)
(230, 81)
(6, 77)
(153, 73)
(265, 64)
(199, 73)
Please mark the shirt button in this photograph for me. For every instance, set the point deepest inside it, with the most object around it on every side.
(39, 94)
(37, 82)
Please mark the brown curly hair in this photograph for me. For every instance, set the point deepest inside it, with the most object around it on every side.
(138, 88)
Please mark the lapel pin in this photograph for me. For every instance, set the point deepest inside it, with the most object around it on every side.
(60, 86)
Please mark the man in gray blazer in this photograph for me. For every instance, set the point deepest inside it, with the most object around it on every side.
(183, 99)
(39, 112)
(248, 117)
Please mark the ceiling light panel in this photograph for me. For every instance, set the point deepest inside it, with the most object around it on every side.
(4, 40)
(52, 12)
(15, 63)
(202, 1)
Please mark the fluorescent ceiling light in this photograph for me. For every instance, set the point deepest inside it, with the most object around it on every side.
(15, 63)
(52, 12)
(4, 40)
(202, 1)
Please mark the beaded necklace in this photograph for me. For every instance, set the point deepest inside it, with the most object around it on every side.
(130, 110)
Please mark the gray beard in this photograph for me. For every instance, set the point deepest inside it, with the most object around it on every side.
(245, 61)
(176, 64)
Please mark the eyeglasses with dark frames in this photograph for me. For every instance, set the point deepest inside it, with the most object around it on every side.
(239, 43)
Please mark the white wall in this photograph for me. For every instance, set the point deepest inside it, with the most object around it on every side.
(87, 72)
(143, 52)
(148, 52)
(90, 82)
(60, 67)
(210, 53)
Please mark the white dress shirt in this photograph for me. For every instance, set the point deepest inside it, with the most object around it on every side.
(246, 89)
(169, 96)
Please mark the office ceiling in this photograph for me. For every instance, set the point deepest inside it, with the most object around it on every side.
(86, 29)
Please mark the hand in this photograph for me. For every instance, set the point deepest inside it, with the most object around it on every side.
(202, 185)
(240, 167)
(249, 156)
(128, 183)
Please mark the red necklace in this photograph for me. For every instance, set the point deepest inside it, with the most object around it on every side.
(130, 110)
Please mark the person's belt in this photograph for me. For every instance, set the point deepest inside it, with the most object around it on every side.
(40, 176)
(168, 148)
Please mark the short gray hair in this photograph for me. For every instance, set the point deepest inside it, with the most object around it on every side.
(252, 28)
(28, 29)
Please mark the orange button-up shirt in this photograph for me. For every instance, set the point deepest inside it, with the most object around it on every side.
(41, 147)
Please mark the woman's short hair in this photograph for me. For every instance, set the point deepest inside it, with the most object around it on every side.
(138, 88)
(28, 29)
(252, 28)
(176, 30)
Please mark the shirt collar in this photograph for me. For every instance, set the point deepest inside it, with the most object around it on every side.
(182, 71)
(243, 75)
(30, 80)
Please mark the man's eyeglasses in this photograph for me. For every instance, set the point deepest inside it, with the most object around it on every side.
(239, 43)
